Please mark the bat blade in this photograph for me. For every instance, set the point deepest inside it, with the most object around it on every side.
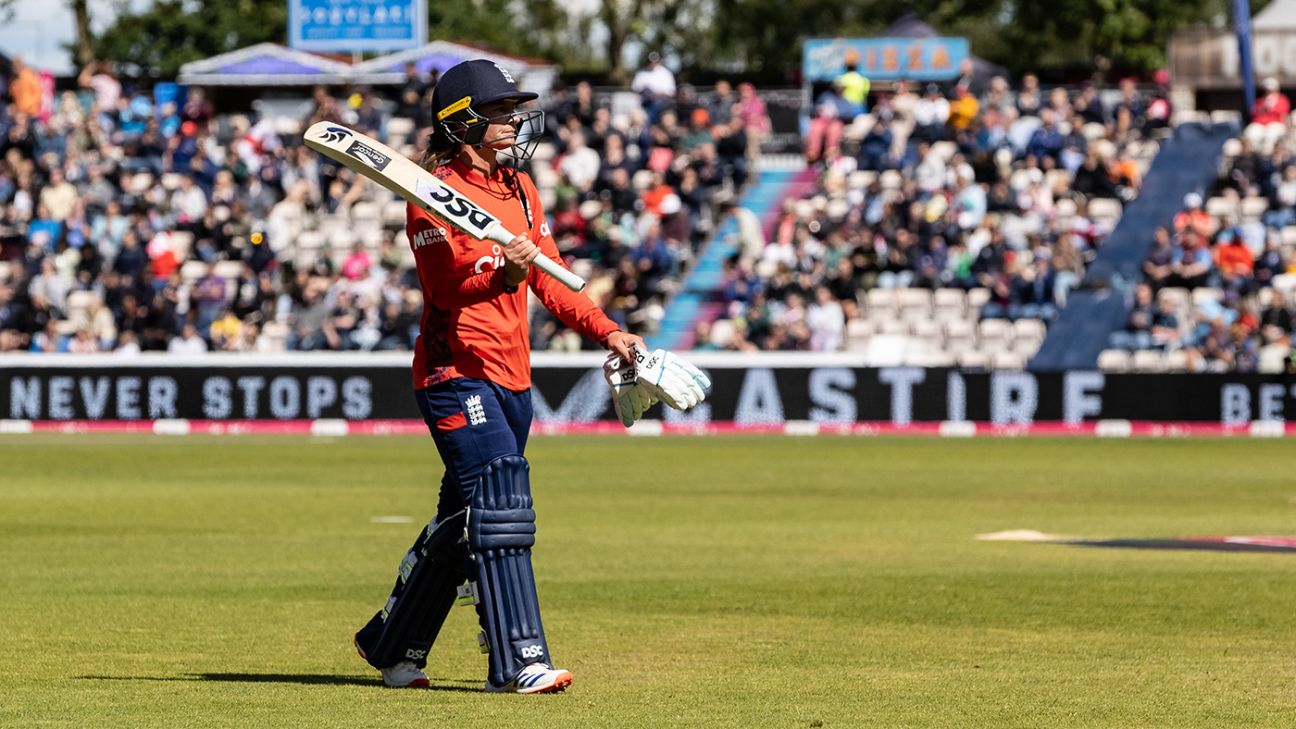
(394, 171)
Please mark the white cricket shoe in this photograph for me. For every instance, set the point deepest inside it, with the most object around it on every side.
(404, 675)
(536, 678)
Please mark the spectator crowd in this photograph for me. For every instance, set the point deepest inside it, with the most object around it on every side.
(129, 224)
(1004, 193)
(1219, 284)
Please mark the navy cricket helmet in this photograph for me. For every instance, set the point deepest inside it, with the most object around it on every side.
(469, 86)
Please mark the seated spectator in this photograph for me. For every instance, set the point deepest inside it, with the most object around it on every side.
(1273, 106)
(59, 197)
(1137, 333)
(1089, 107)
(1165, 326)
(48, 340)
(741, 284)
(1191, 265)
(831, 114)
(1033, 295)
(1282, 203)
(699, 131)
(930, 115)
(1277, 321)
(188, 343)
(1028, 98)
(1192, 216)
(755, 118)
(1093, 179)
(963, 109)
(1234, 262)
(655, 83)
(580, 164)
(1046, 140)
(1158, 264)
(990, 261)
(1247, 170)
(226, 332)
(826, 322)
(1128, 114)
(1125, 175)
(1271, 262)
(731, 151)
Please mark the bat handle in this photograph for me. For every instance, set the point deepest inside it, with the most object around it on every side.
(543, 262)
(555, 269)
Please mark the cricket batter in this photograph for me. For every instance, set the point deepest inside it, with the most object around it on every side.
(472, 379)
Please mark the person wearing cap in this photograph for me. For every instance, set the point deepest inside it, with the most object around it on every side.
(1192, 217)
(472, 380)
(1273, 107)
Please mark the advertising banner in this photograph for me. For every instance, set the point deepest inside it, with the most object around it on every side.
(748, 391)
(348, 26)
(887, 59)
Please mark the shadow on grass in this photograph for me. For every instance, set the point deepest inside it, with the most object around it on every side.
(305, 679)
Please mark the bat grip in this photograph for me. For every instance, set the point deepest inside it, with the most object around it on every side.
(555, 269)
(543, 262)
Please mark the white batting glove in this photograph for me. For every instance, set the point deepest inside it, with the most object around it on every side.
(628, 397)
(670, 379)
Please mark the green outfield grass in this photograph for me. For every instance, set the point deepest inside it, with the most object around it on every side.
(707, 582)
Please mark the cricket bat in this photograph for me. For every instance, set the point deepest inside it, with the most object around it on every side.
(389, 168)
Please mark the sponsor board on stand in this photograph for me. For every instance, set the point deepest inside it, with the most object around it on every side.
(763, 393)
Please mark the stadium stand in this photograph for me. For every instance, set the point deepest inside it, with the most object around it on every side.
(941, 228)
(127, 225)
(1218, 287)
(943, 238)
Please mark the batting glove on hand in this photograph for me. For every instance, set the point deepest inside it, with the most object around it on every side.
(628, 397)
(670, 379)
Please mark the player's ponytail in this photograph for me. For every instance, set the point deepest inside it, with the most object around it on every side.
(440, 148)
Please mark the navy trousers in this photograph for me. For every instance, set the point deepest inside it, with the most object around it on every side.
(473, 422)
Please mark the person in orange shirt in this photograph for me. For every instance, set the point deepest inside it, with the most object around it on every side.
(963, 109)
(25, 89)
(1194, 217)
(472, 379)
(1273, 107)
(1234, 262)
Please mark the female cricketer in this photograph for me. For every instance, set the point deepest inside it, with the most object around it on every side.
(472, 379)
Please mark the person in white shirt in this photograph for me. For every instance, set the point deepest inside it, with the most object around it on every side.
(188, 342)
(656, 84)
(930, 173)
(189, 201)
(826, 321)
(930, 114)
(580, 165)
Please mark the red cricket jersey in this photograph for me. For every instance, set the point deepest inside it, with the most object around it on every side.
(471, 327)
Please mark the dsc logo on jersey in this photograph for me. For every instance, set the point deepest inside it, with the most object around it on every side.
(489, 263)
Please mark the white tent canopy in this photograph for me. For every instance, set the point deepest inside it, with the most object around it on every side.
(270, 64)
(441, 55)
(1279, 15)
(264, 64)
